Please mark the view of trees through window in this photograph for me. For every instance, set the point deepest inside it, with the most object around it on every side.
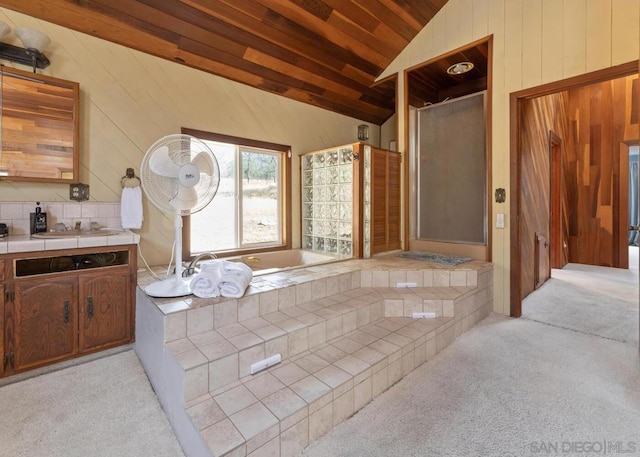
(246, 210)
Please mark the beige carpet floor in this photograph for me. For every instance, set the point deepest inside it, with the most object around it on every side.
(103, 408)
(599, 301)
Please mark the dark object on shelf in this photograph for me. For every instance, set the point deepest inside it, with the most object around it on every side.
(4, 231)
(38, 220)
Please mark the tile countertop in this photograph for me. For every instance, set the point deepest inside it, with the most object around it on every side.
(24, 243)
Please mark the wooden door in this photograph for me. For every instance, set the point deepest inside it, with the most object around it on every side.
(385, 200)
(559, 226)
(105, 317)
(42, 321)
(542, 267)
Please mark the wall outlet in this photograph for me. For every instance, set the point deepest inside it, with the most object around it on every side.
(265, 363)
(406, 284)
(424, 315)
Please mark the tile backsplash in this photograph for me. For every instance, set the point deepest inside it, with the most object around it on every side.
(16, 215)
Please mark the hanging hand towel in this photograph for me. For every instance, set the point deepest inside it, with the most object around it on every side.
(235, 279)
(131, 208)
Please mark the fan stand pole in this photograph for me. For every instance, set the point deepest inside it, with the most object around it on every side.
(177, 236)
(176, 285)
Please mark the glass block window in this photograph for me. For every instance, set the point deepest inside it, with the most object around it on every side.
(327, 195)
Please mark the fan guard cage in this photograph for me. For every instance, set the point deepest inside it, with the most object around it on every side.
(165, 192)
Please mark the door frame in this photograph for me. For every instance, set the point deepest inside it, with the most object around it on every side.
(556, 239)
(516, 101)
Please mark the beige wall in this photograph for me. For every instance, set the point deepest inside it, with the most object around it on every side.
(534, 42)
(130, 99)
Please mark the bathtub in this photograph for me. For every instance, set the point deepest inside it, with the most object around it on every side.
(269, 262)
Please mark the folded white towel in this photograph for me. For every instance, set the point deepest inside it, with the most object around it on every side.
(206, 284)
(236, 277)
(131, 208)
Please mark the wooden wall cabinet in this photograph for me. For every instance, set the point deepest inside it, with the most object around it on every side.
(59, 305)
(40, 126)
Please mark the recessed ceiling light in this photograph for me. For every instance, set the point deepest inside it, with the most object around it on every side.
(460, 68)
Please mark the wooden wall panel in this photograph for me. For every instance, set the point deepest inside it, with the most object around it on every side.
(574, 39)
(599, 36)
(625, 37)
(602, 118)
(531, 44)
(539, 116)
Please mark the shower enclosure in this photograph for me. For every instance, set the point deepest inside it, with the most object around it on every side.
(450, 172)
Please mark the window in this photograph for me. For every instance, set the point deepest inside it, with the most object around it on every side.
(252, 206)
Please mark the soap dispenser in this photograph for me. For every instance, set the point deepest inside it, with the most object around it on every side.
(38, 220)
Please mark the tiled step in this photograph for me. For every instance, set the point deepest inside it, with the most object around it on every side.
(281, 410)
(216, 358)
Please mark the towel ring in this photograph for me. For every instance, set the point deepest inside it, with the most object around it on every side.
(130, 179)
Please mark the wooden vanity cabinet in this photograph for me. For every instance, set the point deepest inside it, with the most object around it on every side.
(62, 304)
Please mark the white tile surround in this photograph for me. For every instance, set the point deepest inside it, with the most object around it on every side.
(16, 214)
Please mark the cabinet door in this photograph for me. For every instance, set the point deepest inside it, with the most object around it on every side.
(105, 317)
(42, 321)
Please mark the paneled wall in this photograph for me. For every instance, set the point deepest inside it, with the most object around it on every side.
(130, 99)
(534, 42)
(539, 117)
(602, 116)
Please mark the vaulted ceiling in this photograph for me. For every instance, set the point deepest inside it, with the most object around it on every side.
(327, 53)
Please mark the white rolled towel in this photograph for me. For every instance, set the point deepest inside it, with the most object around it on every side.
(236, 277)
(206, 284)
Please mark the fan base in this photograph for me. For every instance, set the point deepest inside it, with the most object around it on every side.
(171, 287)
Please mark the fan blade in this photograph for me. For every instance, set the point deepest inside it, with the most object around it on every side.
(204, 163)
(161, 164)
(186, 199)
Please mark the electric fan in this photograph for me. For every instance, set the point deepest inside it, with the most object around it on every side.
(180, 176)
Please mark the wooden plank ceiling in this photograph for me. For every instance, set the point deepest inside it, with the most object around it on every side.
(327, 53)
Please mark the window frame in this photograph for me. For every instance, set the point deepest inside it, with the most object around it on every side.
(285, 193)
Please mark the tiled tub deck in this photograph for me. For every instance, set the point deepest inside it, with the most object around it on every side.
(344, 335)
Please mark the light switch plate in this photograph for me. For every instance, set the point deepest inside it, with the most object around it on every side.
(500, 220)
